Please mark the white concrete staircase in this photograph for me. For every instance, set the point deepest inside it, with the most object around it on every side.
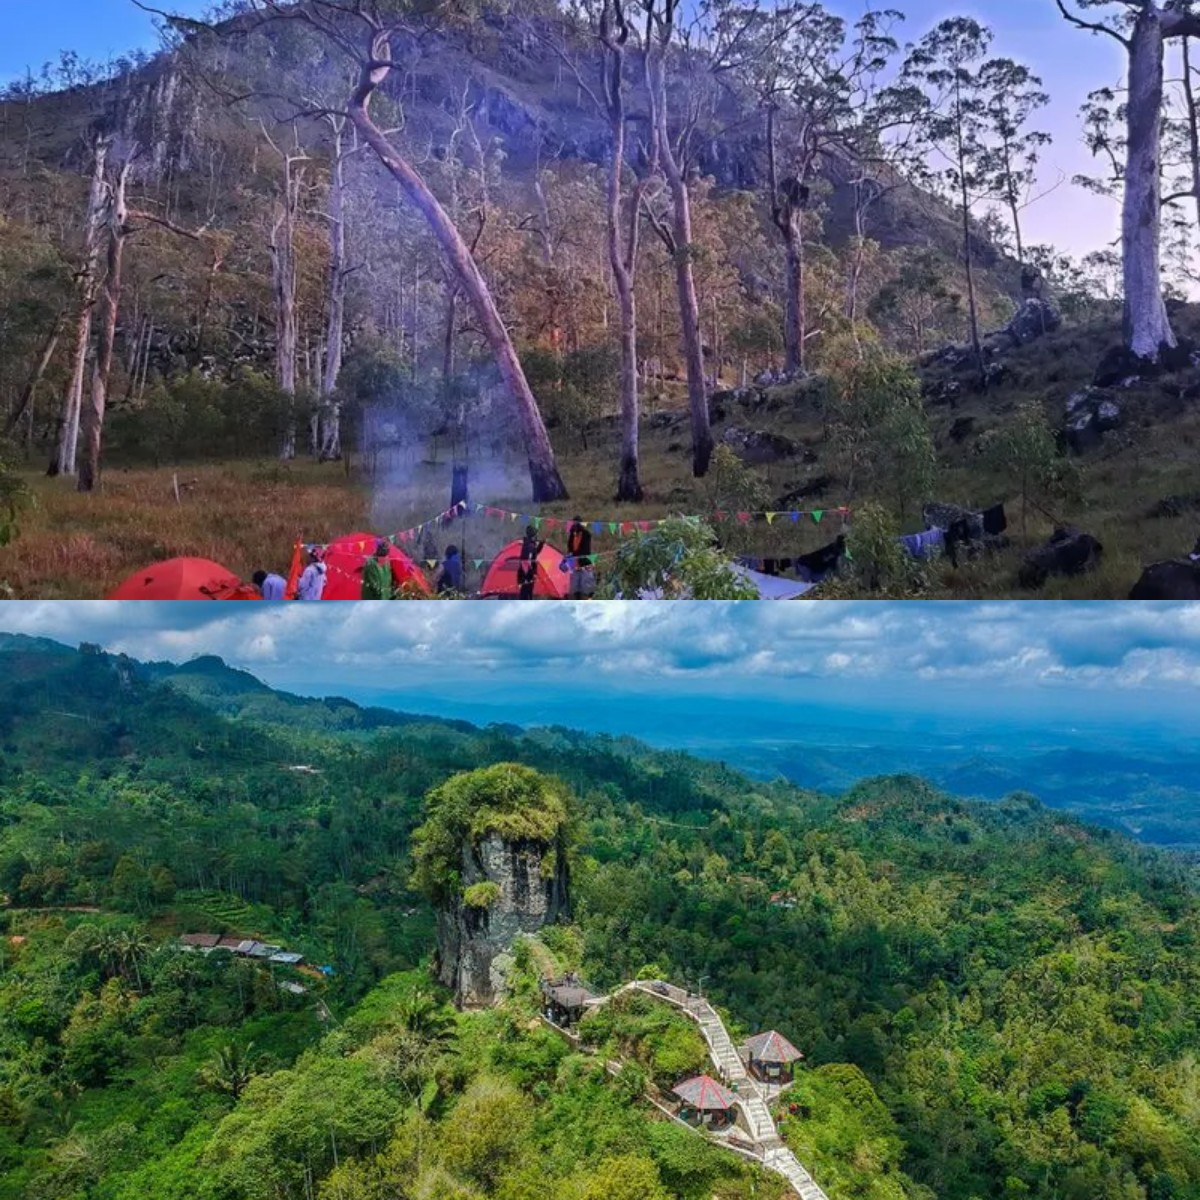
(760, 1125)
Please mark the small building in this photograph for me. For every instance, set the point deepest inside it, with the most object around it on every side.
(286, 958)
(204, 942)
(770, 1057)
(704, 1102)
(564, 1001)
(232, 944)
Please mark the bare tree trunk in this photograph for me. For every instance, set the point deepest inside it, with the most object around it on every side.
(685, 283)
(965, 205)
(622, 260)
(68, 427)
(26, 402)
(93, 413)
(283, 279)
(546, 482)
(1146, 326)
(448, 338)
(1193, 128)
(794, 310)
(330, 447)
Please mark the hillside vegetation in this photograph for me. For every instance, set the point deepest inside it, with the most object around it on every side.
(279, 293)
(993, 1000)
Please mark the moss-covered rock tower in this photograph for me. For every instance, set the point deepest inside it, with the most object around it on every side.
(492, 855)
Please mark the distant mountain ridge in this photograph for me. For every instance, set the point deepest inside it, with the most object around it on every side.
(1152, 795)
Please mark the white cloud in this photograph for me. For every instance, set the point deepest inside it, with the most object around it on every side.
(1087, 646)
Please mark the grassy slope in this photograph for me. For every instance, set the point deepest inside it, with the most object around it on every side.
(249, 515)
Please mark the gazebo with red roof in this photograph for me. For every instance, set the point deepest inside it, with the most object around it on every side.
(705, 1101)
(771, 1056)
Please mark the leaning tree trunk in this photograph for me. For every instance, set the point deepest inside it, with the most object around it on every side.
(1147, 329)
(330, 429)
(110, 302)
(546, 482)
(685, 282)
(63, 462)
(26, 402)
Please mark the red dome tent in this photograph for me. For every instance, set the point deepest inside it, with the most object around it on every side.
(500, 582)
(185, 579)
(345, 558)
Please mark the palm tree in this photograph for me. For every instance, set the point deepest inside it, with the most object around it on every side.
(426, 1019)
(231, 1069)
(132, 947)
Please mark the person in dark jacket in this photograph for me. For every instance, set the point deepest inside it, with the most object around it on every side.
(530, 546)
(451, 578)
(579, 540)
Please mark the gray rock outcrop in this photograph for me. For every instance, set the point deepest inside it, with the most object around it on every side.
(510, 888)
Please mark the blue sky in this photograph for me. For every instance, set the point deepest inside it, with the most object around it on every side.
(1070, 62)
(1113, 663)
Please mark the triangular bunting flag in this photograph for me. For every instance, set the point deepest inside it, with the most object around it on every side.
(720, 515)
(613, 527)
(743, 517)
(551, 522)
(478, 563)
(817, 514)
(771, 517)
(795, 517)
(431, 563)
(597, 526)
(537, 522)
(645, 526)
(512, 516)
(849, 556)
(626, 527)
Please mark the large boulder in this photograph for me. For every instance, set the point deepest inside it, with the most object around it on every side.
(1175, 579)
(1119, 363)
(758, 446)
(795, 498)
(943, 391)
(1068, 552)
(1091, 412)
(1176, 506)
(1034, 319)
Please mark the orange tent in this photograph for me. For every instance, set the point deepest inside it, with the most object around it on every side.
(345, 558)
(185, 579)
(500, 582)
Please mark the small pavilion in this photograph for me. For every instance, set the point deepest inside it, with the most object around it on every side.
(703, 1101)
(770, 1057)
(565, 1000)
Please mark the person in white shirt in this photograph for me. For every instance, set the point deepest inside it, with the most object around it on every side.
(312, 582)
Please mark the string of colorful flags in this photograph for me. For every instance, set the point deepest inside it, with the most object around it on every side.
(598, 527)
(601, 527)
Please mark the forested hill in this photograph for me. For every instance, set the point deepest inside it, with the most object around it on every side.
(995, 1001)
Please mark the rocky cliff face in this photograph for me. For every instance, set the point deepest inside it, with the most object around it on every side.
(509, 888)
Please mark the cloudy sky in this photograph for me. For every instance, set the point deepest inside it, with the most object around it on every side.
(1071, 63)
(1111, 662)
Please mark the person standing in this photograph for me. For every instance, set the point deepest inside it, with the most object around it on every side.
(377, 583)
(579, 551)
(451, 578)
(270, 586)
(312, 582)
(527, 565)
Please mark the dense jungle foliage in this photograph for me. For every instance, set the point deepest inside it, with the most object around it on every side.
(994, 1001)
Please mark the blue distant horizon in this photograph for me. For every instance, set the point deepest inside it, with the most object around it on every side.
(1089, 705)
